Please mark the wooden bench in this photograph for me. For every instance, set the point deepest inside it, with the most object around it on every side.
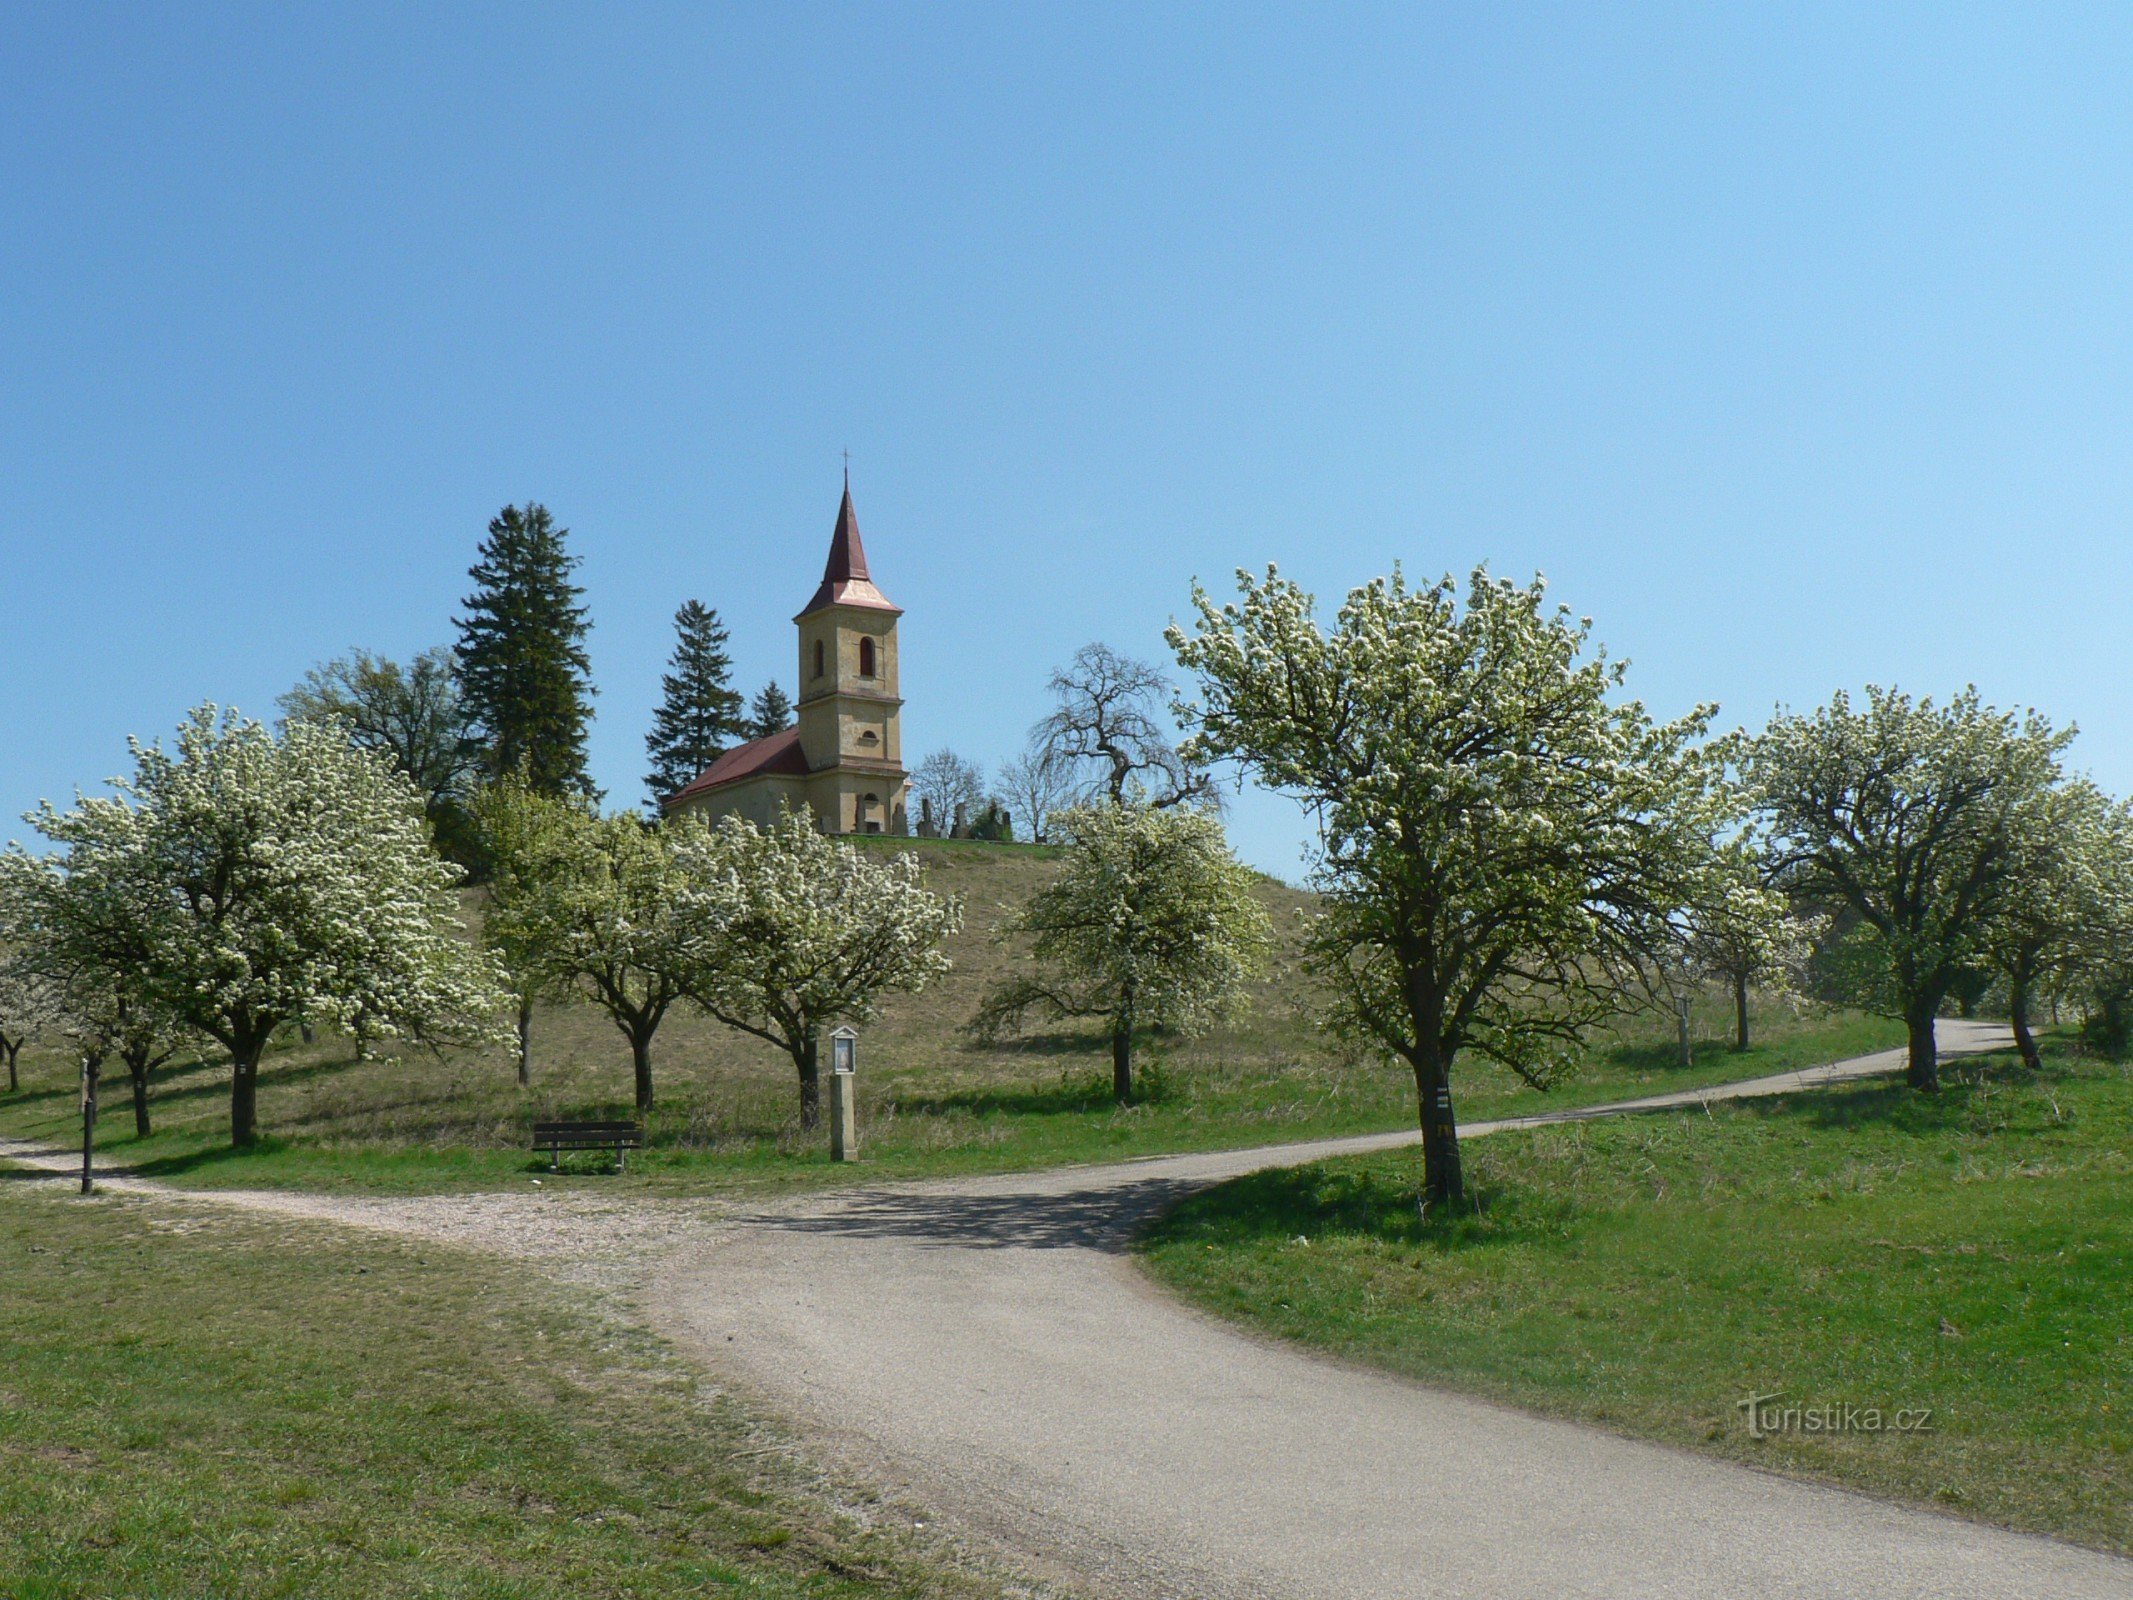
(620, 1137)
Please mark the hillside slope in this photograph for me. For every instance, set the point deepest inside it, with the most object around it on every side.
(931, 1099)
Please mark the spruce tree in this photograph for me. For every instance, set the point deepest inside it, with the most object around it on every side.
(701, 711)
(770, 712)
(521, 654)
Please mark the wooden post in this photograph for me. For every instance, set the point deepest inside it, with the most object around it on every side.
(88, 1124)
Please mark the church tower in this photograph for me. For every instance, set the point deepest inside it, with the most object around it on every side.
(844, 761)
(851, 715)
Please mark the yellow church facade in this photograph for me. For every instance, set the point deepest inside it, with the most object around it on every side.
(842, 759)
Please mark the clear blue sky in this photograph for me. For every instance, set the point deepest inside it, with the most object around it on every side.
(1792, 343)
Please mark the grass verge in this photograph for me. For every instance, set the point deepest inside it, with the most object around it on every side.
(1967, 1254)
(200, 1404)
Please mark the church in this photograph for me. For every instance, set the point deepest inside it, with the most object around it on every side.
(843, 758)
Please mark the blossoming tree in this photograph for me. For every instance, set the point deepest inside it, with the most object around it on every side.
(793, 931)
(1920, 819)
(1505, 846)
(28, 1005)
(1153, 923)
(292, 877)
(588, 905)
(1746, 934)
(85, 919)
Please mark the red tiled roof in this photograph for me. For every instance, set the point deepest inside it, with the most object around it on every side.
(844, 576)
(779, 754)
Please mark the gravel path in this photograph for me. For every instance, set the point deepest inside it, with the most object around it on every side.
(987, 1344)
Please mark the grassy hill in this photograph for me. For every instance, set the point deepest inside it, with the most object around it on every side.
(931, 1100)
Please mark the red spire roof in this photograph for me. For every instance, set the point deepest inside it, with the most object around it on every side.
(844, 575)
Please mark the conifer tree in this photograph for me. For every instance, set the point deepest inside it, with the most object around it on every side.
(521, 654)
(701, 712)
(770, 712)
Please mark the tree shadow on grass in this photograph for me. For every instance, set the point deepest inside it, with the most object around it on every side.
(1665, 1056)
(1089, 1095)
(1313, 1203)
(205, 1159)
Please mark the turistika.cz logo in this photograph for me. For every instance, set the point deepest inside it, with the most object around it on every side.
(1769, 1415)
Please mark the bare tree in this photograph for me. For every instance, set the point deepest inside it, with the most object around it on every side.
(946, 780)
(1105, 730)
(1038, 783)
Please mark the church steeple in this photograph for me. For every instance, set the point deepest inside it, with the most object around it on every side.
(844, 575)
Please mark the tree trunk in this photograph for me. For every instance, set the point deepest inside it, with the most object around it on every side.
(91, 1070)
(244, 1098)
(1443, 1181)
(525, 1043)
(641, 1059)
(1922, 1071)
(138, 1072)
(1740, 1013)
(1122, 1063)
(13, 1049)
(810, 1085)
(2018, 1014)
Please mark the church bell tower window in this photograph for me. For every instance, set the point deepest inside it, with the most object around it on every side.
(866, 658)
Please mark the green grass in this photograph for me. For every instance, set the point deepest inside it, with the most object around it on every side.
(931, 1100)
(1971, 1253)
(196, 1404)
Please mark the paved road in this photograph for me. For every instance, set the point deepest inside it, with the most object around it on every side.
(988, 1343)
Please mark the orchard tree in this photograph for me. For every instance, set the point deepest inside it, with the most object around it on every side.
(1746, 935)
(518, 833)
(1504, 844)
(588, 904)
(414, 716)
(28, 1005)
(292, 878)
(88, 917)
(769, 712)
(700, 712)
(1105, 729)
(94, 1016)
(1153, 924)
(2066, 924)
(521, 653)
(1916, 817)
(793, 932)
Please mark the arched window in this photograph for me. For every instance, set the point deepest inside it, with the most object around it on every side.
(818, 658)
(866, 658)
(867, 823)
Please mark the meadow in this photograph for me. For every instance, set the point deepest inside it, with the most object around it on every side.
(1968, 1255)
